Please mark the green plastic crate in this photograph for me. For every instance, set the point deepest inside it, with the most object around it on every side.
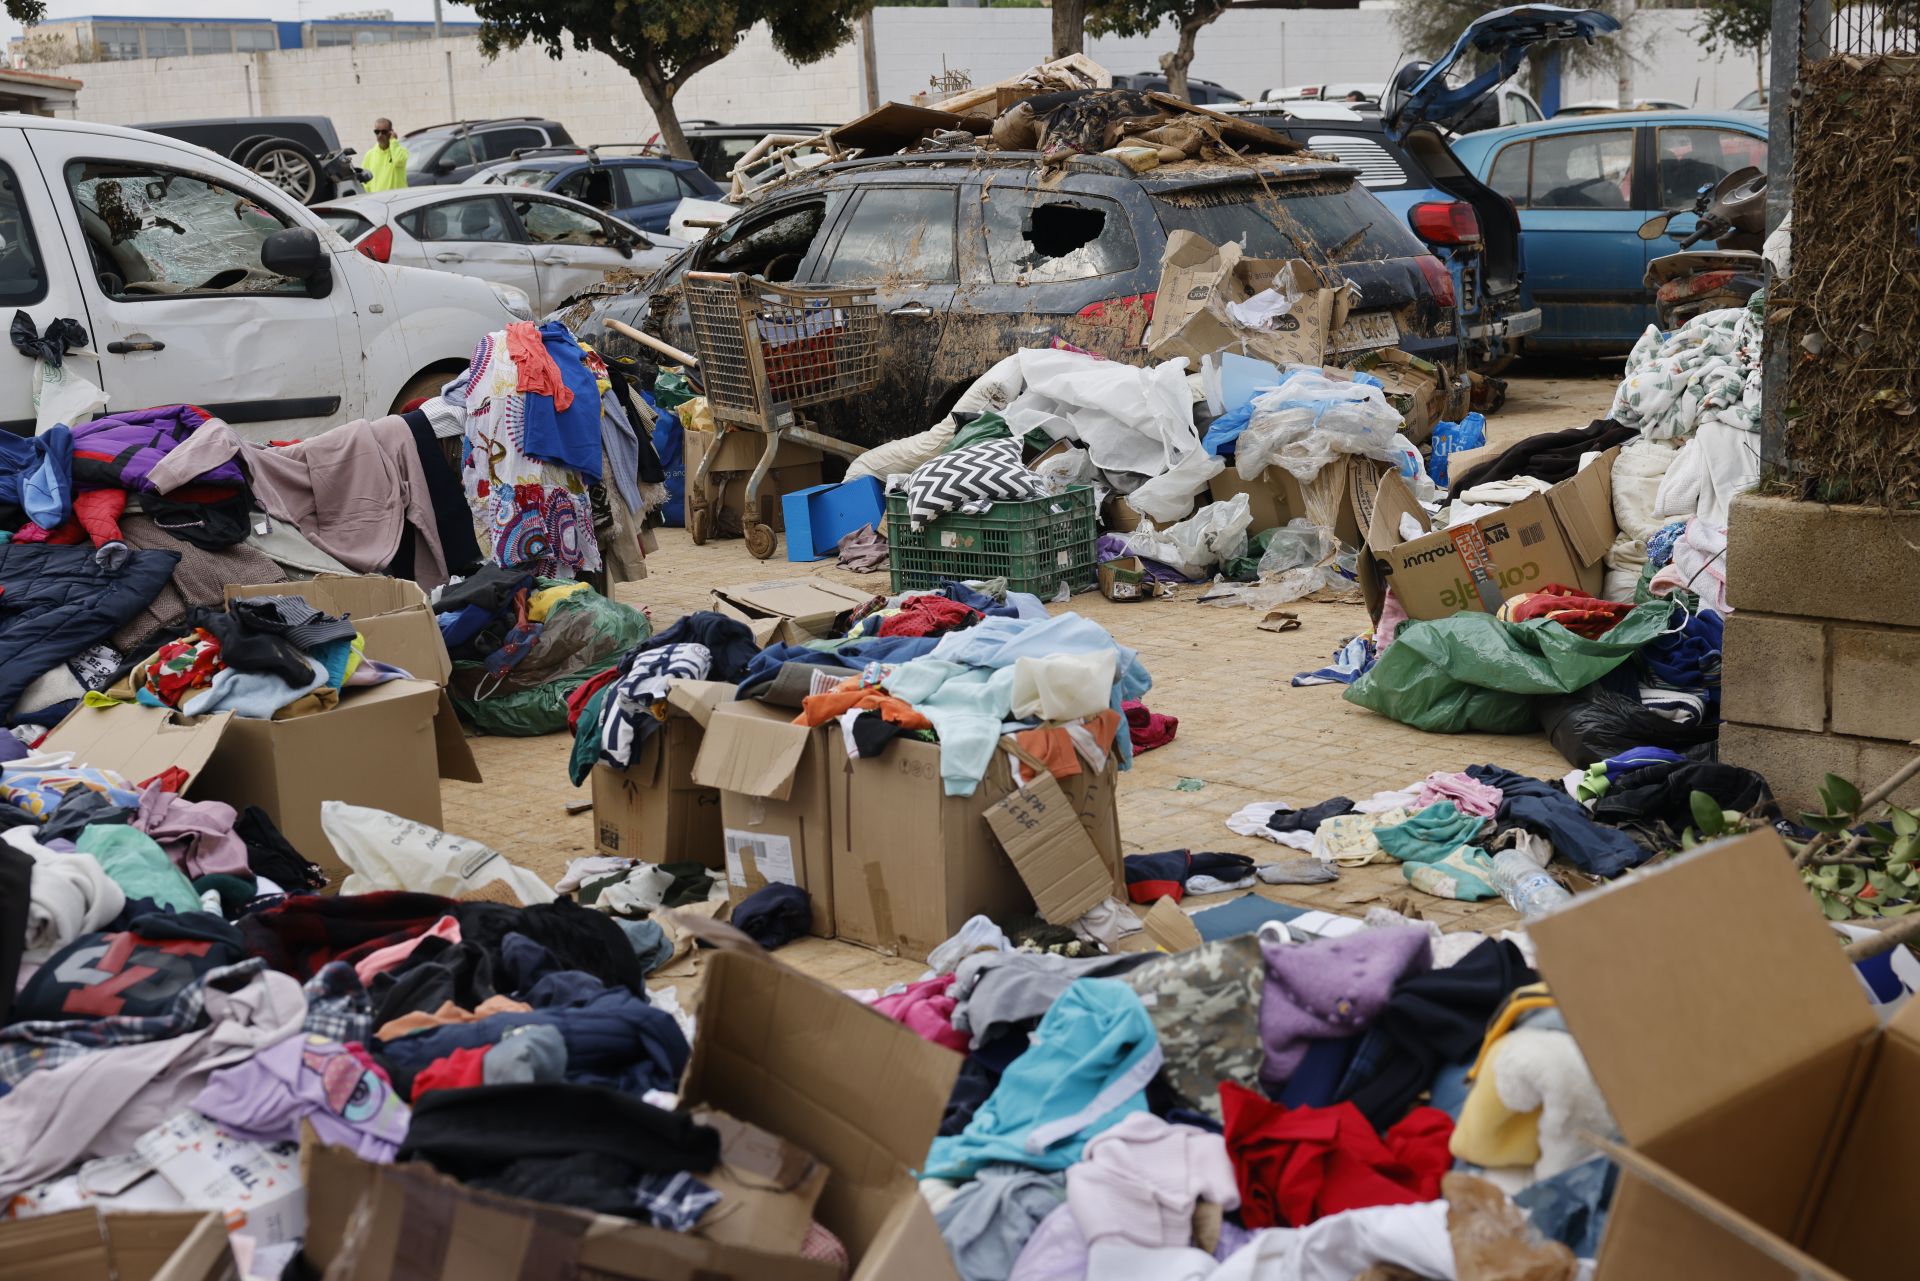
(1035, 545)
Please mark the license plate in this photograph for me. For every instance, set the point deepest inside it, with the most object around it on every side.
(1365, 330)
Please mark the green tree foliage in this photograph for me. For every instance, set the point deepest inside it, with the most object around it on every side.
(663, 43)
(1143, 18)
(1738, 25)
(27, 12)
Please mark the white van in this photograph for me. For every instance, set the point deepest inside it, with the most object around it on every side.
(200, 283)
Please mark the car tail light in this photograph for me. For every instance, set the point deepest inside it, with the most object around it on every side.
(377, 244)
(1445, 222)
(1103, 309)
(1439, 279)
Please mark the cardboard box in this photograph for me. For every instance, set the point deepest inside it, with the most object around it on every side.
(1122, 579)
(771, 775)
(653, 809)
(795, 467)
(1559, 536)
(1199, 279)
(1278, 496)
(911, 864)
(407, 1223)
(384, 746)
(1767, 1115)
(790, 610)
(1415, 387)
(102, 1245)
(775, 1049)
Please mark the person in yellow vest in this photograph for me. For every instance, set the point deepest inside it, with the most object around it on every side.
(387, 162)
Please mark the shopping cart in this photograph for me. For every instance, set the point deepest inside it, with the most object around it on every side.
(767, 351)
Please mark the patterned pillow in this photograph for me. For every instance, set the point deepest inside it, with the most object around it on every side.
(977, 474)
(1205, 1006)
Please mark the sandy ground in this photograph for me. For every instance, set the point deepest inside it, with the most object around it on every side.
(1245, 733)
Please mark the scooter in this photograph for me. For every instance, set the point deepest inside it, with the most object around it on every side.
(1732, 213)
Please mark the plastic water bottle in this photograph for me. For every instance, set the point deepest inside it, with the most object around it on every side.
(1525, 884)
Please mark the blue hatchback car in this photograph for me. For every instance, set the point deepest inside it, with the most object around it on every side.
(1582, 186)
(642, 190)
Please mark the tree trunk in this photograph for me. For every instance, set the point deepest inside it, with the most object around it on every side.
(659, 92)
(1069, 27)
(1175, 64)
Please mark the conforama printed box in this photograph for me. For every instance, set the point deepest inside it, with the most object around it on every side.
(1559, 536)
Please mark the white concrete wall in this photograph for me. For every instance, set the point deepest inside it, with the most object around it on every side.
(427, 81)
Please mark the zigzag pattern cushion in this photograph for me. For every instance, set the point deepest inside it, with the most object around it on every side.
(976, 475)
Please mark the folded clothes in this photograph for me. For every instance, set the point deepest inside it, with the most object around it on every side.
(1156, 876)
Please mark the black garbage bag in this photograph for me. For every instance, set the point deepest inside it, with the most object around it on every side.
(1597, 722)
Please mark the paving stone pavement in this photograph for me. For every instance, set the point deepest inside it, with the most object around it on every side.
(1245, 734)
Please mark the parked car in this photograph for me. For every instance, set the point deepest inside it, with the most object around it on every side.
(449, 153)
(548, 246)
(970, 257)
(1601, 106)
(1507, 105)
(1755, 100)
(1583, 186)
(1199, 92)
(716, 147)
(642, 190)
(199, 281)
(301, 155)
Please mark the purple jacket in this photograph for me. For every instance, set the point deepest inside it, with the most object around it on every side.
(120, 450)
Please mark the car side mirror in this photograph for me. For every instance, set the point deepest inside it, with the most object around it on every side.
(295, 252)
(1654, 227)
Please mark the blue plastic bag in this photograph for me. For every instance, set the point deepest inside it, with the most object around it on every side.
(669, 442)
(1451, 438)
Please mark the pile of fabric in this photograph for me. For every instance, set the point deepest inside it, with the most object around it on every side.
(557, 467)
(112, 531)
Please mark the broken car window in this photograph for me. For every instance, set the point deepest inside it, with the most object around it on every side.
(1039, 238)
(898, 234)
(771, 247)
(153, 231)
(551, 224)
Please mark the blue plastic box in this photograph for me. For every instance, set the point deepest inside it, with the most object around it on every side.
(818, 518)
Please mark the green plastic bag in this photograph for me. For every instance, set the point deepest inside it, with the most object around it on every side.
(988, 426)
(1246, 569)
(671, 390)
(1474, 672)
(585, 633)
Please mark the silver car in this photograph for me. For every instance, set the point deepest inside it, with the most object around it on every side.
(547, 246)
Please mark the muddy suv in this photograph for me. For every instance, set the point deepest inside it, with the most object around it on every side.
(972, 255)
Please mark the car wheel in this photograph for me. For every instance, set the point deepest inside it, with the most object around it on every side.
(422, 386)
(289, 166)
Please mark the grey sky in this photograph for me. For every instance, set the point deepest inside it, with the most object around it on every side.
(281, 10)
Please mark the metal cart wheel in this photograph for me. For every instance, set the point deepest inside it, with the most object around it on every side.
(761, 540)
(700, 526)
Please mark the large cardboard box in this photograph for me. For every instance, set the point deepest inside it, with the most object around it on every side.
(775, 1049)
(653, 809)
(1560, 536)
(771, 775)
(1277, 496)
(792, 611)
(1768, 1116)
(795, 467)
(1197, 281)
(102, 1245)
(911, 864)
(384, 746)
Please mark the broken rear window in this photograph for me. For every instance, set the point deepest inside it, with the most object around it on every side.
(1308, 220)
(1042, 238)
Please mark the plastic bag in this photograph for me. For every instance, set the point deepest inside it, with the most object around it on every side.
(1598, 722)
(1451, 438)
(62, 396)
(1069, 467)
(1297, 545)
(671, 389)
(1304, 422)
(383, 851)
(1215, 533)
(1170, 495)
(1473, 672)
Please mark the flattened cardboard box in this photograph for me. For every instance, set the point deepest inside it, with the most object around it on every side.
(1560, 536)
(653, 809)
(790, 610)
(771, 775)
(1768, 1115)
(384, 746)
(911, 864)
(102, 1245)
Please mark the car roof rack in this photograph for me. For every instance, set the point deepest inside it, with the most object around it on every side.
(590, 150)
(468, 124)
(559, 149)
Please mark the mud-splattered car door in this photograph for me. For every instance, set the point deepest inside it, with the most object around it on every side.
(902, 242)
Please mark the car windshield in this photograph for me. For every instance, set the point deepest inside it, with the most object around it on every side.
(1320, 221)
(533, 178)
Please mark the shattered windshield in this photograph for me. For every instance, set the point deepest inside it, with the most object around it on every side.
(158, 231)
(1318, 221)
(534, 178)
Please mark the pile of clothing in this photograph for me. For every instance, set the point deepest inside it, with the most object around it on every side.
(112, 531)
(557, 464)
